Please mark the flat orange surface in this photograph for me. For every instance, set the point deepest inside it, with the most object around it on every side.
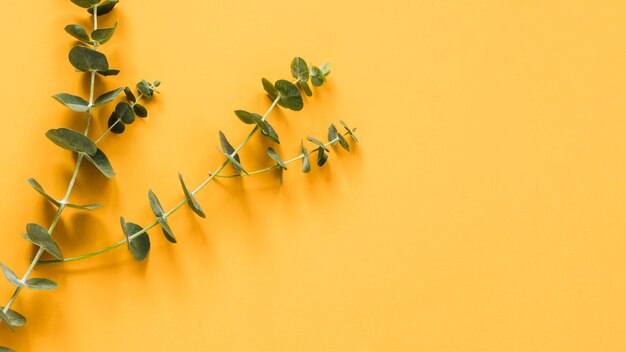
(483, 211)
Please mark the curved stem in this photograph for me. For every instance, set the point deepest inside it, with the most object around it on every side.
(212, 175)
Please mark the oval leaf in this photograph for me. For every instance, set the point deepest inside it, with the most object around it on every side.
(299, 69)
(321, 157)
(270, 89)
(107, 97)
(342, 141)
(40, 236)
(85, 3)
(10, 275)
(247, 117)
(306, 165)
(350, 131)
(145, 88)
(72, 140)
(5, 317)
(191, 201)
(105, 7)
(129, 95)
(41, 191)
(317, 142)
(268, 131)
(115, 124)
(79, 32)
(228, 149)
(139, 246)
(332, 134)
(15, 318)
(305, 88)
(72, 101)
(167, 231)
(88, 60)
(290, 96)
(157, 209)
(101, 162)
(102, 35)
(40, 284)
(125, 113)
(317, 77)
(109, 72)
(276, 158)
(140, 110)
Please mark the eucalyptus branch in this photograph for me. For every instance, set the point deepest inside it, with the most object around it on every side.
(89, 60)
(283, 93)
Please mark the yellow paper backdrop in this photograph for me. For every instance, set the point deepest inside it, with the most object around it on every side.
(483, 211)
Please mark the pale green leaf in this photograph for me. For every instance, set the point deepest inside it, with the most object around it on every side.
(107, 97)
(79, 32)
(102, 35)
(332, 134)
(272, 153)
(342, 141)
(15, 318)
(72, 140)
(40, 236)
(11, 276)
(5, 317)
(73, 102)
(40, 284)
(157, 209)
(317, 142)
(41, 191)
(84, 207)
(101, 162)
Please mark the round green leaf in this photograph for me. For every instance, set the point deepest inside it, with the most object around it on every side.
(305, 88)
(317, 77)
(115, 124)
(125, 112)
(290, 96)
(6, 349)
(88, 60)
(72, 140)
(129, 95)
(139, 246)
(145, 88)
(40, 236)
(299, 69)
(140, 110)
(102, 35)
(79, 32)
(73, 102)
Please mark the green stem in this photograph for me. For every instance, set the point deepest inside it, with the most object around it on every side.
(68, 192)
(212, 175)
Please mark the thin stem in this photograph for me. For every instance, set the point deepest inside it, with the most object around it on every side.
(68, 192)
(212, 175)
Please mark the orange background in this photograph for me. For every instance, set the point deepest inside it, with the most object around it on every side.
(483, 211)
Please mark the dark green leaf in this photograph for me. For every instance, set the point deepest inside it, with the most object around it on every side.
(268, 131)
(129, 95)
(236, 164)
(6, 349)
(40, 284)
(79, 32)
(342, 141)
(72, 140)
(84, 207)
(15, 318)
(4, 317)
(115, 124)
(72, 101)
(290, 96)
(139, 246)
(270, 89)
(248, 117)
(140, 110)
(332, 134)
(88, 60)
(145, 88)
(191, 201)
(350, 131)
(107, 97)
(105, 7)
(228, 149)
(109, 72)
(157, 209)
(321, 157)
(101, 162)
(317, 142)
(11, 276)
(305, 88)
(40, 236)
(102, 35)
(125, 113)
(41, 191)
(167, 231)
(317, 77)
(85, 3)
(299, 69)
(306, 165)
(276, 158)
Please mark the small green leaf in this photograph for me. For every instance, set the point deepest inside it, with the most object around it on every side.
(342, 141)
(72, 140)
(15, 318)
(321, 157)
(11, 276)
(317, 77)
(5, 317)
(350, 131)
(247, 117)
(129, 95)
(40, 284)
(268, 131)
(139, 246)
(157, 209)
(236, 164)
(325, 68)
(290, 96)
(140, 110)
(318, 143)
(167, 231)
(107, 97)
(79, 32)
(84, 207)
(105, 7)
(270, 89)
(115, 124)
(306, 165)
(41, 191)
(102, 35)
(299, 69)
(109, 72)
(101, 162)
(145, 88)
(85, 3)
(305, 88)
(40, 236)
(191, 201)
(88, 60)
(332, 134)
(72, 101)
(5, 349)
(272, 153)
(125, 113)
(227, 147)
